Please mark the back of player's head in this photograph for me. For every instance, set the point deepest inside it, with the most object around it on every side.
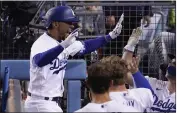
(118, 67)
(98, 78)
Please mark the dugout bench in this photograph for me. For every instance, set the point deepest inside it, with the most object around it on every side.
(19, 69)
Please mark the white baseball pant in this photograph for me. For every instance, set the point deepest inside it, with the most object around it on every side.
(36, 104)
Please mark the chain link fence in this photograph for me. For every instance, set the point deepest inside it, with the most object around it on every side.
(97, 18)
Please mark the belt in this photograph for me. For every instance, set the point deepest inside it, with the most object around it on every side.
(56, 99)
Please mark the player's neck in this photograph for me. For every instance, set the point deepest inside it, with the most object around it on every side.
(54, 34)
(118, 88)
(100, 98)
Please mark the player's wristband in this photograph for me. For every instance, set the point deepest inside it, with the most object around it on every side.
(129, 48)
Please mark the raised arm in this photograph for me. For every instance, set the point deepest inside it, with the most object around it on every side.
(128, 51)
(135, 77)
(87, 46)
(94, 44)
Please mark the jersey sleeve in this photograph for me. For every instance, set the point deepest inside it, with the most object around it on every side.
(141, 81)
(91, 45)
(43, 52)
(38, 48)
(147, 98)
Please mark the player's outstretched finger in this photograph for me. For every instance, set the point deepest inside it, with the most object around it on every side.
(74, 34)
(120, 20)
(76, 30)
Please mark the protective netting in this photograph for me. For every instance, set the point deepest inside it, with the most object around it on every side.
(162, 45)
(16, 37)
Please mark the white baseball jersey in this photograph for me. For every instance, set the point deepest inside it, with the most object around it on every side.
(163, 101)
(111, 106)
(139, 98)
(47, 81)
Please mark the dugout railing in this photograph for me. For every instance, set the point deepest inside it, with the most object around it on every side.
(19, 70)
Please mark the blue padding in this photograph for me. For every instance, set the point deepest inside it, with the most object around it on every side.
(5, 89)
(19, 69)
(74, 95)
(75, 69)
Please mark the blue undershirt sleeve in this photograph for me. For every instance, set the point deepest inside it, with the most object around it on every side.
(44, 58)
(94, 44)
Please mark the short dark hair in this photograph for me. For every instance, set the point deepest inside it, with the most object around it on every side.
(119, 69)
(98, 78)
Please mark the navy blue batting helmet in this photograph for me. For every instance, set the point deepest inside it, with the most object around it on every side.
(60, 14)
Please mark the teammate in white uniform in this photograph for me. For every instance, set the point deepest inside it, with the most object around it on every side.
(164, 92)
(132, 97)
(99, 82)
(49, 55)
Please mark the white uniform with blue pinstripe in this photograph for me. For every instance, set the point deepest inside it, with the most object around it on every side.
(163, 100)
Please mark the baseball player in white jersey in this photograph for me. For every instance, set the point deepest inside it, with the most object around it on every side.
(164, 92)
(99, 82)
(118, 91)
(131, 97)
(49, 55)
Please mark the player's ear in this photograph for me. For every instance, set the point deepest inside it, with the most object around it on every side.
(55, 24)
(86, 83)
(90, 96)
